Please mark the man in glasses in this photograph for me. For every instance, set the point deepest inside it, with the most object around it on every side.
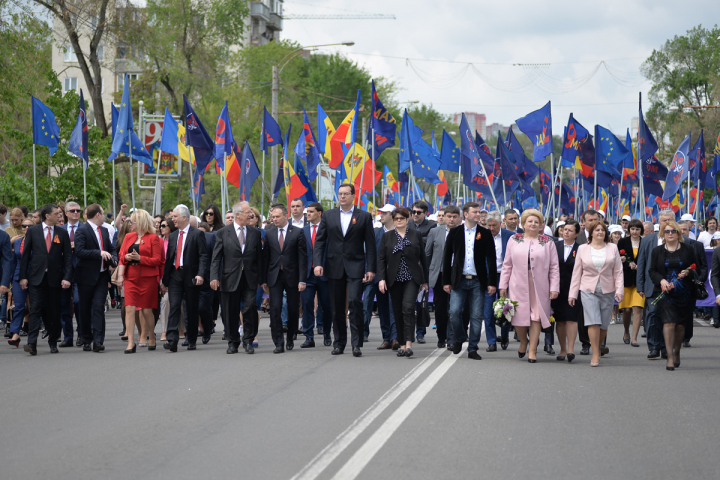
(346, 236)
(71, 296)
(423, 226)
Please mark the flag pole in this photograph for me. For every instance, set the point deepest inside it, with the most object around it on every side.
(362, 174)
(622, 174)
(156, 205)
(492, 192)
(373, 163)
(84, 181)
(190, 171)
(113, 190)
(641, 182)
(223, 172)
(457, 190)
(262, 194)
(35, 176)
(557, 212)
(132, 183)
(552, 185)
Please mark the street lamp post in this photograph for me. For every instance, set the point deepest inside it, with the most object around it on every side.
(276, 69)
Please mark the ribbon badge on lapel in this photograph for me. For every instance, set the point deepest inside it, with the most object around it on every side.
(478, 236)
(354, 221)
(575, 251)
(56, 239)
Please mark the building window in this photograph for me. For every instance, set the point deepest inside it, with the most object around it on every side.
(70, 55)
(70, 83)
(121, 80)
(93, 22)
(100, 53)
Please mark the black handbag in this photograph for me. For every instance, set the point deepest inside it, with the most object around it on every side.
(502, 322)
(423, 318)
(701, 292)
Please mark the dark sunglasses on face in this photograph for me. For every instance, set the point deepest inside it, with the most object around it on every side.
(163, 225)
(26, 226)
(74, 211)
(673, 231)
(417, 212)
(209, 213)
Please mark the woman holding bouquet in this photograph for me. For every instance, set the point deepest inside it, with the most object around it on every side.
(670, 267)
(633, 303)
(530, 276)
(598, 280)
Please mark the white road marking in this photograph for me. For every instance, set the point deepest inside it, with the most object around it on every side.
(321, 461)
(365, 453)
(702, 322)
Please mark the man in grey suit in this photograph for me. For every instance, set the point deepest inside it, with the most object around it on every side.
(434, 248)
(645, 287)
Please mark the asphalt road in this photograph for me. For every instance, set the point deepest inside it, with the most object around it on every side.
(306, 414)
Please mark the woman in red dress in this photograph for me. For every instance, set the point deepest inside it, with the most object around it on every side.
(142, 258)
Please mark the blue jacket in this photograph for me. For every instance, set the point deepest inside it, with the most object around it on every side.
(309, 246)
(6, 262)
(378, 238)
(505, 235)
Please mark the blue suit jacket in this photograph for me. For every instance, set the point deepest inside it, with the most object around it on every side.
(6, 263)
(504, 237)
(378, 238)
(309, 246)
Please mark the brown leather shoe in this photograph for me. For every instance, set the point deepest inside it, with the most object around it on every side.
(384, 346)
(395, 344)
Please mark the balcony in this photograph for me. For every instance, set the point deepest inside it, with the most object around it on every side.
(260, 11)
(275, 22)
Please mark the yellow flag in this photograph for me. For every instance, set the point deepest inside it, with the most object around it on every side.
(186, 153)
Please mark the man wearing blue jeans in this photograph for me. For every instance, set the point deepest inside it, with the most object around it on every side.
(469, 268)
(500, 238)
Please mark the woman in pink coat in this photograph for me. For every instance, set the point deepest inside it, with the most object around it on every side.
(598, 279)
(530, 276)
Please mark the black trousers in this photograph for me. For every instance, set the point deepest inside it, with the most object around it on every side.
(231, 314)
(276, 303)
(582, 331)
(177, 292)
(442, 305)
(403, 297)
(92, 309)
(207, 295)
(44, 308)
(349, 289)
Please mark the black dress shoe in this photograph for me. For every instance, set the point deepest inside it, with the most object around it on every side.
(31, 349)
(98, 347)
(400, 352)
(87, 348)
(290, 345)
(653, 354)
(132, 350)
(327, 342)
(170, 346)
(585, 351)
(337, 351)
(224, 337)
(663, 355)
(408, 352)
(686, 344)
(121, 334)
(192, 347)
(450, 346)
(357, 352)
(504, 342)
(66, 343)
(232, 349)
(491, 348)
(441, 344)
(284, 328)
(185, 343)
(78, 343)
(395, 345)
(549, 350)
(295, 336)
(54, 349)
(420, 339)
(476, 356)
(604, 351)
(205, 340)
(45, 334)
(279, 349)
(457, 348)
(309, 343)
(249, 348)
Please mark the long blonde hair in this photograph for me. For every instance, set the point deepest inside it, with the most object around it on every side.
(143, 222)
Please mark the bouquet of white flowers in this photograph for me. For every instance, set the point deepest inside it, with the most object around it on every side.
(504, 309)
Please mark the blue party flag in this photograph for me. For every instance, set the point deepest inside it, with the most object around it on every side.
(198, 186)
(648, 146)
(223, 137)
(505, 181)
(698, 170)
(537, 126)
(574, 135)
(449, 154)
(78, 144)
(715, 168)
(678, 170)
(524, 167)
(309, 196)
(382, 124)
(45, 128)
(280, 179)
(306, 148)
(270, 134)
(249, 172)
(197, 137)
(610, 152)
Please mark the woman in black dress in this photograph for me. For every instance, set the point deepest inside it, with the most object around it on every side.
(403, 269)
(668, 271)
(566, 317)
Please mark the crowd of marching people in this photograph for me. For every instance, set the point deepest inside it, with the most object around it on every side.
(317, 272)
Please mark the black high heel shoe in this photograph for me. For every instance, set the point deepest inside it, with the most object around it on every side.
(15, 343)
(132, 350)
(152, 347)
(570, 357)
(400, 352)
(532, 360)
(408, 352)
(560, 358)
(521, 354)
(669, 368)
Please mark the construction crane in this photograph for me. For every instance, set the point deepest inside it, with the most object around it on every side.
(360, 16)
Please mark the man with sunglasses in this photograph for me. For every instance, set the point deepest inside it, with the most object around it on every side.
(423, 226)
(70, 296)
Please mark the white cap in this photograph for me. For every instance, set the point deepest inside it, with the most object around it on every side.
(627, 217)
(432, 217)
(377, 225)
(615, 228)
(387, 208)
(716, 235)
(517, 211)
(483, 210)
(559, 224)
(601, 213)
(687, 217)
(656, 227)
(305, 210)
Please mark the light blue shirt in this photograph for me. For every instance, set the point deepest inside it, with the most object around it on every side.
(469, 267)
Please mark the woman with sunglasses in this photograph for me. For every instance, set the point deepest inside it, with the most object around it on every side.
(166, 228)
(669, 264)
(17, 295)
(212, 216)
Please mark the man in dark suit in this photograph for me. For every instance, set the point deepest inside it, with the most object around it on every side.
(45, 269)
(500, 239)
(207, 295)
(314, 285)
(238, 250)
(434, 249)
(512, 221)
(297, 213)
(346, 234)
(95, 255)
(185, 265)
(469, 269)
(7, 260)
(702, 273)
(285, 258)
(424, 226)
(372, 291)
(70, 300)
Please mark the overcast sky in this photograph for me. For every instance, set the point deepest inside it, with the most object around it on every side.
(573, 37)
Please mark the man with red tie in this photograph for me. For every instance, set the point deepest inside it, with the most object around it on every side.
(184, 266)
(45, 269)
(70, 300)
(315, 285)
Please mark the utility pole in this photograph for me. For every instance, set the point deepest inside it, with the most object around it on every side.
(274, 113)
